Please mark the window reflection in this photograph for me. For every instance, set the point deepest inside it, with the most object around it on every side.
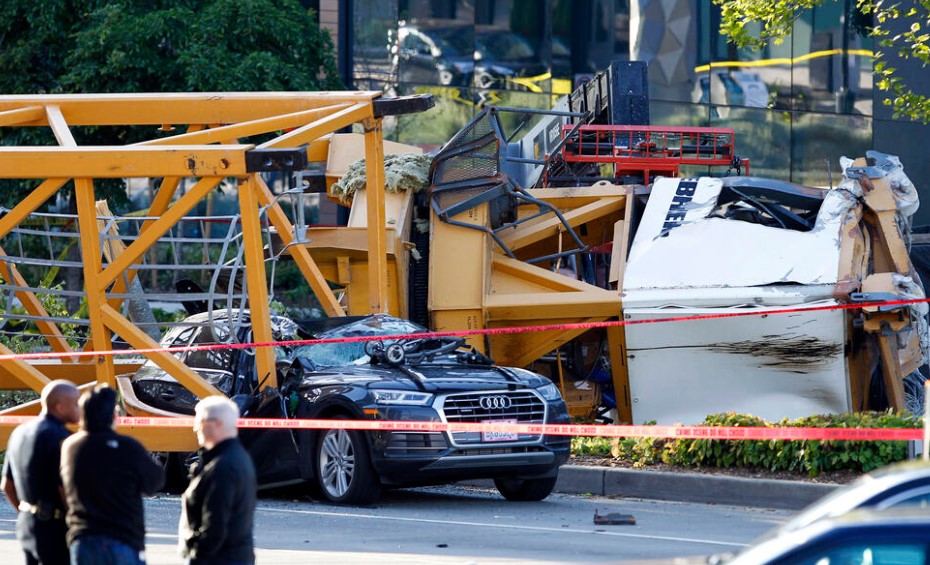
(795, 106)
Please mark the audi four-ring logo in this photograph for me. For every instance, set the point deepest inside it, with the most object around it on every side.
(498, 402)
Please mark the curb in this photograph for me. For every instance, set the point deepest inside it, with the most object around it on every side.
(685, 487)
(690, 487)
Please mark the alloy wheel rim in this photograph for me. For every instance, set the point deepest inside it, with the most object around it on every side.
(337, 462)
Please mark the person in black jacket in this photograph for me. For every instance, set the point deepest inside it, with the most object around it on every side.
(105, 475)
(30, 475)
(218, 506)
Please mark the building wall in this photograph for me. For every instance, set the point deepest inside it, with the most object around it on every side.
(796, 107)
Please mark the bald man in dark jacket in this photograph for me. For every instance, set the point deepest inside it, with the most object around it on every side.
(30, 475)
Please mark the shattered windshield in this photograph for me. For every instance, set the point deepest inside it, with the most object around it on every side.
(353, 353)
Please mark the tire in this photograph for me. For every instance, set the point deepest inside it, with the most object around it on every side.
(525, 490)
(343, 468)
(175, 475)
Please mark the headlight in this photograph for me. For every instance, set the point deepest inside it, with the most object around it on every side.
(550, 392)
(402, 397)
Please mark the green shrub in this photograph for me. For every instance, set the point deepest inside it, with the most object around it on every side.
(811, 457)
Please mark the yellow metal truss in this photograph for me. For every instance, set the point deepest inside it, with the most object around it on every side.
(210, 146)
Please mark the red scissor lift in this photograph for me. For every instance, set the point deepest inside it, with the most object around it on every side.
(649, 151)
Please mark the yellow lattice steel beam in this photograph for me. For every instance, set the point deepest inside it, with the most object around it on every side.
(223, 134)
(328, 124)
(123, 162)
(29, 204)
(176, 108)
(256, 281)
(216, 145)
(300, 255)
(527, 233)
(374, 183)
(94, 290)
(20, 116)
(171, 364)
(149, 236)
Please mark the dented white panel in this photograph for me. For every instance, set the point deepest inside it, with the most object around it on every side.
(772, 366)
(678, 246)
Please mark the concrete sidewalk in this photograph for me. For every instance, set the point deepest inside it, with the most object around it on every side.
(690, 487)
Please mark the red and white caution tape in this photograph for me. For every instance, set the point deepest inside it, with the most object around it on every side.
(580, 430)
(462, 333)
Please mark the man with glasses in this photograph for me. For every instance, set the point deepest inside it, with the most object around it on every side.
(218, 506)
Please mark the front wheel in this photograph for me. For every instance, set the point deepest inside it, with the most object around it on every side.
(526, 490)
(343, 468)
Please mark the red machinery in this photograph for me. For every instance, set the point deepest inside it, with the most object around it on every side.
(649, 151)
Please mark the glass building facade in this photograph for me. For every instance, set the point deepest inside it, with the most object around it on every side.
(796, 106)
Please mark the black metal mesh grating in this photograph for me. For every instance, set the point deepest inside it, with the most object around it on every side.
(480, 161)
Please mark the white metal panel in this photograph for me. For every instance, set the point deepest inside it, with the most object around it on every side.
(771, 366)
(678, 246)
(780, 295)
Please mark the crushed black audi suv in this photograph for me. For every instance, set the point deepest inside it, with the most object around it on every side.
(420, 378)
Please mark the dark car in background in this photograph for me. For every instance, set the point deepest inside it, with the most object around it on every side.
(407, 379)
(436, 54)
(454, 54)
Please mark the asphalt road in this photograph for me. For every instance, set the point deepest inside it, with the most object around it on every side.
(463, 525)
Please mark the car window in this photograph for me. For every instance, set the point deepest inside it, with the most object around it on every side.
(917, 498)
(353, 352)
(503, 46)
(454, 42)
(178, 336)
(333, 354)
(868, 554)
(415, 44)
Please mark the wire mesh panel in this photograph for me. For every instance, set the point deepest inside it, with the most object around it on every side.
(197, 265)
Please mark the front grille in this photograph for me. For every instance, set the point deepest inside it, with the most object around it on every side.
(521, 407)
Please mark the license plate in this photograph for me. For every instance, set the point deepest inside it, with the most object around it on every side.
(499, 436)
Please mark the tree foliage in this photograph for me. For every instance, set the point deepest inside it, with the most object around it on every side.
(102, 46)
(776, 19)
(52, 46)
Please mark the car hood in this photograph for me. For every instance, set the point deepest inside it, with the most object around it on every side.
(429, 377)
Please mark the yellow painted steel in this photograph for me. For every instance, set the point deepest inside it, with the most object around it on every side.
(329, 124)
(49, 331)
(529, 233)
(123, 161)
(23, 371)
(96, 292)
(474, 285)
(160, 203)
(19, 116)
(206, 108)
(616, 342)
(222, 134)
(305, 263)
(374, 189)
(154, 230)
(29, 204)
(174, 367)
(56, 121)
(256, 281)
(208, 148)
(78, 373)
(163, 439)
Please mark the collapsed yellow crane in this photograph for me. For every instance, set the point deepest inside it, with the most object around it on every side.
(206, 137)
